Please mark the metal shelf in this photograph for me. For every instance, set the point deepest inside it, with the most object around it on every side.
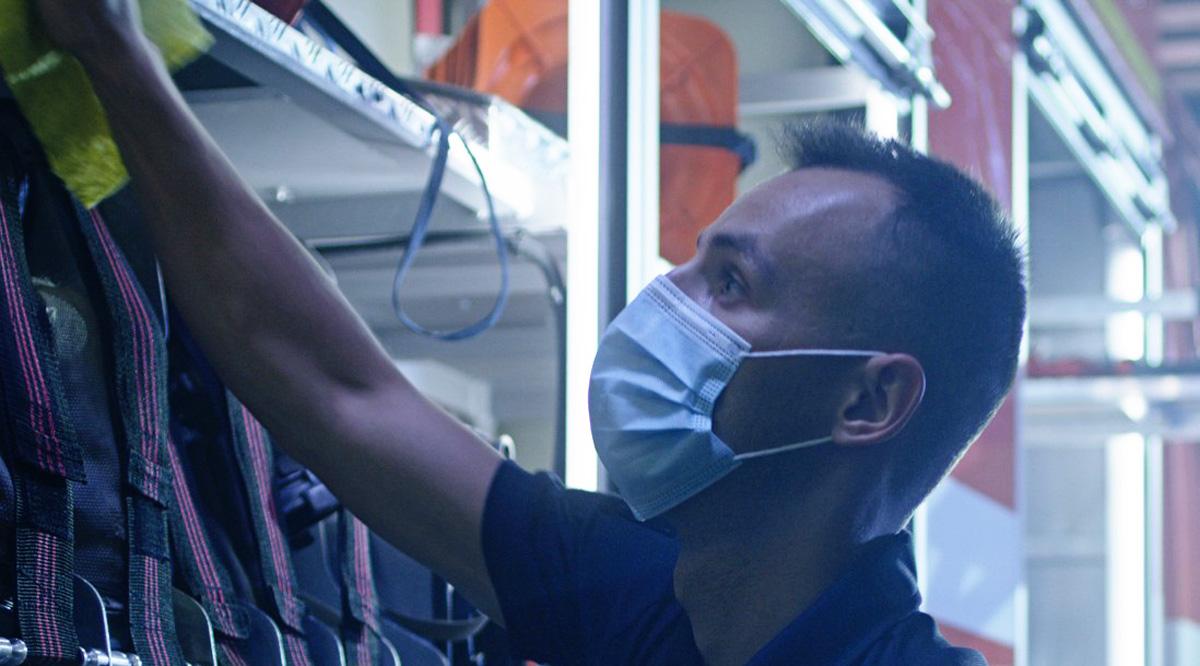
(302, 123)
(1084, 411)
(894, 52)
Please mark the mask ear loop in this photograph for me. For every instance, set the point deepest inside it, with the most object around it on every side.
(750, 455)
(814, 352)
(780, 353)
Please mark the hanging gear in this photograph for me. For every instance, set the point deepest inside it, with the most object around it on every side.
(206, 577)
(254, 456)
(247, 536)
(43, 457)
(62, 618)
(141, 388)
(49, 459)
(360, 604)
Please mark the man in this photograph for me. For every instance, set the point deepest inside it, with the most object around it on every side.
(776, 477)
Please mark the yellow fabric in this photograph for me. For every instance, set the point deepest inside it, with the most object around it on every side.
(56, 97)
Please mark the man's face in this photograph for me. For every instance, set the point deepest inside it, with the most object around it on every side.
(786, 267)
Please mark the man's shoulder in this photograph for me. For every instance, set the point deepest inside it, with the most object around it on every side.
(588, 538)
(916, 640)
(543, 496)
(576, 574)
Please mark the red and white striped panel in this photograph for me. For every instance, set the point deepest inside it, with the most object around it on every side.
(973, 573)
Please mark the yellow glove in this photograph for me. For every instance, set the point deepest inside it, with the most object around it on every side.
(56, 97)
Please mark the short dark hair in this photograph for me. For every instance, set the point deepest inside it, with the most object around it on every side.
(951, 291)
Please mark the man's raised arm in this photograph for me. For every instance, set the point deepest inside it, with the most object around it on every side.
(279, 333)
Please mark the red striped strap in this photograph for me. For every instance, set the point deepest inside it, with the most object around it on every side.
(141, 360)
(360, 627)
(255, 459)
(47, 457)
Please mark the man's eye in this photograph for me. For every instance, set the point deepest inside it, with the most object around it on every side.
(729, 285)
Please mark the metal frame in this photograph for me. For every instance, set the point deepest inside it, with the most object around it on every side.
(1069, 82)
(1157, 307)
(1020, 188)
(853, 32)
(295, 69)
(1060, 71)
(614, 156)
(804, 91)
(613, 247)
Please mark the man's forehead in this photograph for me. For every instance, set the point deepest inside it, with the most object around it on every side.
(805, 204)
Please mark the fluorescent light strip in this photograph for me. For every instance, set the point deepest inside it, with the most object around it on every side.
(583, 239)
(642, 224)
(1125, 565)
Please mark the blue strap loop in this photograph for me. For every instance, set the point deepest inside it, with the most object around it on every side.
(420, 229)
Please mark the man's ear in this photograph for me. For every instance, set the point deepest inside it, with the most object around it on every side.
(880, 400)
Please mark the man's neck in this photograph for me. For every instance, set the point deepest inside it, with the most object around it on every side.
(747, 569)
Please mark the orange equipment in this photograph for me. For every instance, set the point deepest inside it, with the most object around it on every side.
(517, 50)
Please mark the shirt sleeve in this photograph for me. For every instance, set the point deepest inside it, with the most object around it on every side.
(575, 575)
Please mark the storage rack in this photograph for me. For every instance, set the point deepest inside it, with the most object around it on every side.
(265, 83)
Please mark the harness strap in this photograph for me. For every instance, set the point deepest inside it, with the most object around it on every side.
(140, 352)
(254, 454)
(206, 577)
(48, 458)
(360, 615)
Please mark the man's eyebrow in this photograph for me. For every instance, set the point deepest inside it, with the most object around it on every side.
(744, 244)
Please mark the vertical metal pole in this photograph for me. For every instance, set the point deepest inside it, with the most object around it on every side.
(1155, 576)
(1020, 220)
(614, 161)
(919, 140)
(1155, 278)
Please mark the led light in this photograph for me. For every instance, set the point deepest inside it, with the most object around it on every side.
(1125, 336)
(1135, 406)
(583, 197)
(1125, 563)
(642, 261)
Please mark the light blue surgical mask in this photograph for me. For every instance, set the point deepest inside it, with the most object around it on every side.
(661, 365)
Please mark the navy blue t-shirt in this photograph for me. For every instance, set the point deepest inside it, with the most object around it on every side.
(581, 581)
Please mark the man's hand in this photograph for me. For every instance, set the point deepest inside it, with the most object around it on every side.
(90, 29)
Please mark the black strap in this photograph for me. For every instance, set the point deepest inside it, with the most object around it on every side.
(206, 577)
(255, 458)
(47, 455)
(438, 631)
(141, 380)
(711, 136)
(677, 134)
(360, 603)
